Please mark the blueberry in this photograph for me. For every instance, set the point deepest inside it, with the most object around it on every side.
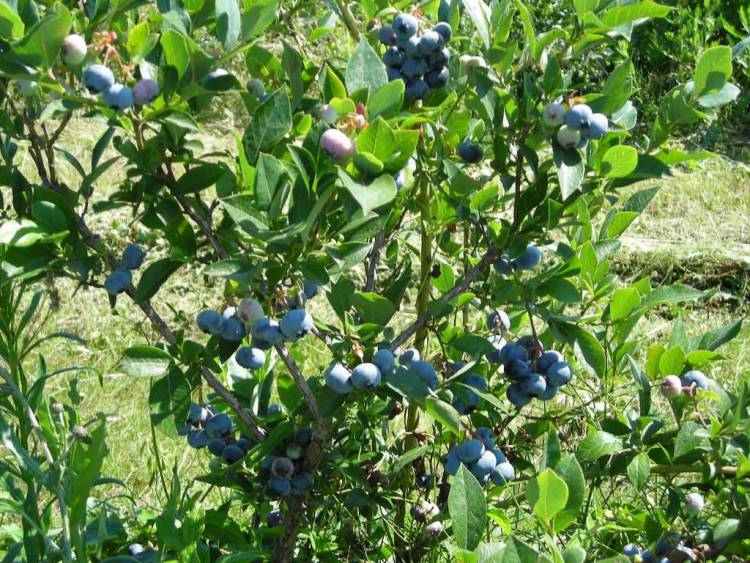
(429, 42)
(476, 381)
(256, 87)
(470, 152)
(533, 385)
(296, 324)
(498, 320)
(145, 91)
(549, 393)
(482, 468)
(630, 550)
(233, 330)
(498, 343)
(393, 74)
(485, 435)
(232, 453)
(529, 258)
(303, 436)
(393, 57)
(339, 379)
(647, 556)
(695, 378)
(579, 117)
(216, 446)
(250, 358)
(410, 47)
(197, 439)
(209, 321)
(273, 408)
(559, 373)
(385, 360)
(118, 96)
(282, 467)
(545, 361)
(568, 138)
(499, 456)
(250, 311)
(132, 257)
(267, 463)
(451, 463)
(553, 114)
(439, 58)
(694, 503)
(503, 265)
(275, 519)
(467, 404)
(118, 281)
(28, 88)
(279, 486)
(404, 26)
(426, 372)
(444, 30)
(386, 35)
(244, 444)
(529, 343)
(336, 145)
(416, 90)
(219, 425)
(302, 482)
(267, 332)
(408, 356)
(98, 78)
(517, 370)
(434, 529)
(516, 397)
(135, 549)
(437, 78)
(470, 451)
(197, 413)
(310, 289)
(413, 68)
(503, 473)
(512, 352)
(424, 481)
(599, 126)
(366, 376)
(73, 49)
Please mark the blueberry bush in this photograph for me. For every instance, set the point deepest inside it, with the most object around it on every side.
(420, 352)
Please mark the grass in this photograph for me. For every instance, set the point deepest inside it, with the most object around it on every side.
(694, 231)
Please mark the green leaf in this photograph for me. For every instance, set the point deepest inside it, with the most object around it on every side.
(713, 71)
(294, 64)
(11, 25)
(570, 170)
(408, 458)
(692, 436)
(467, 508)
(377, 193)
(574, 554)
(198, 178)
(590, 347)
(145, 361)
(669, 294)
(619, 161)
(228, 22)
(639, 470)
(570, 471)
(40, 47)
(257, 15)
(365, 69)
(386, 101)
(11, 445)
(407, 384)
(480, 15)
(271, 122)
(726, 95)
(547, 494)
(726, 529)
(169, 401)
(630, 13)
(624, 301)
(598, 444)
(717, 337)
(373, 308)
(176, 50)
(154, 277)
(444, 413)
(672, 361)
(270, 174)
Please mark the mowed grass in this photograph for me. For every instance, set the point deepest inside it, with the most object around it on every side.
(703, 212)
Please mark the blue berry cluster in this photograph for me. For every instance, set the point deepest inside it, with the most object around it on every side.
(580, 124)
(480, 456)
(286, 472)
(208, 428)
(533, 376)
(420, 60)
(667, 549)
(365, 376)
(121, 279)
(98, 79)
(527, 260)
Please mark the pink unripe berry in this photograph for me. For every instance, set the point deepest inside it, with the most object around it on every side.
(671, 386)
(73, 49)
(336, 144)
(79, 432)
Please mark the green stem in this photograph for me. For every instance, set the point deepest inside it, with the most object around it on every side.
(349, 21)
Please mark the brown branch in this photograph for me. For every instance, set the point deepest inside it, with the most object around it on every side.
(489, 257)
(373, 259)
(301, 382)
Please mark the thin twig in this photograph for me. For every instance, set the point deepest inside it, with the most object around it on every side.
(301, 382)
(373, 259)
